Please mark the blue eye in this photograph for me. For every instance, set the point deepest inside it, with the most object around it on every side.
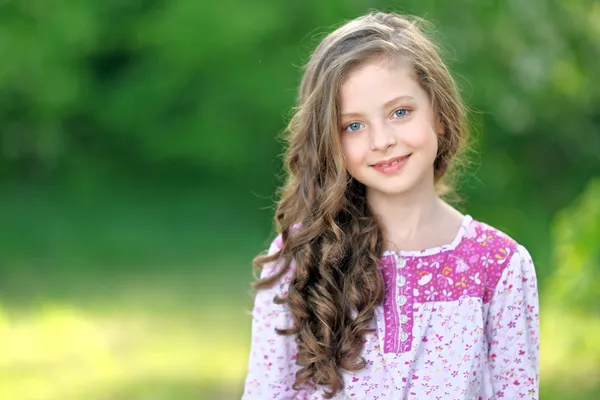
(401, 112)
(353, 127)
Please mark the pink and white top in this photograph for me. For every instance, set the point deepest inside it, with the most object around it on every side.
(460, 321)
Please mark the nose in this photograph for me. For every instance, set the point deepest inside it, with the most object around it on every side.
(382, 138)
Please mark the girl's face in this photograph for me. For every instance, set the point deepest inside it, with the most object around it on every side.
(388, 131)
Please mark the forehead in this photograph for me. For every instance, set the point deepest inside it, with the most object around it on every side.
(376, 81)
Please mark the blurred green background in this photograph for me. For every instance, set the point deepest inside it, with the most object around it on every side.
(139, 160)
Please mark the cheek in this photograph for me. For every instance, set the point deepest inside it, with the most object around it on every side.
(424, 138)
(354, 157)
(351, 151)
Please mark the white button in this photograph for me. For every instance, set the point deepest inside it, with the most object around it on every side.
(401, 280)
(401, 262)
(403, 336)
(403, 319)
(402, 300)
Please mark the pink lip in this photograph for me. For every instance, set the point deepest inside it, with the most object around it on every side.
(390, 169)
(388, 162)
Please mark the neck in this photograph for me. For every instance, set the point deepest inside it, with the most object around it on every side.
(404, 216)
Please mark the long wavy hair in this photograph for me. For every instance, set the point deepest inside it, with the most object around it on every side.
(327, 228)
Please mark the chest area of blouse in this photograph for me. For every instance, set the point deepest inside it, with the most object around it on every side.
(434, 279)
(470, 271)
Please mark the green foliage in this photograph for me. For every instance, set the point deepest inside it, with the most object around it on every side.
(570, 305)
(204, 86)
(576, 278)
(92, 91)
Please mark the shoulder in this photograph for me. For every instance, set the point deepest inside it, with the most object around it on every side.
(494, 251)
(274, 248)
(486, 240)
(280, 286)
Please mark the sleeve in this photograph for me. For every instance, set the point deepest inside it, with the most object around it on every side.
(272, 361)
(512, 330)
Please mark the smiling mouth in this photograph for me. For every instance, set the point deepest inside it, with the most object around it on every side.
(391, 162)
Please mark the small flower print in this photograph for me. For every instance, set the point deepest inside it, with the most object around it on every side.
(461, 266)
(475, 278)
(431, 293)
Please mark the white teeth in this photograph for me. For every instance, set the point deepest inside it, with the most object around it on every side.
(390, 164)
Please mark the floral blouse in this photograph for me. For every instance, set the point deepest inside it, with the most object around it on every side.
(460, 321)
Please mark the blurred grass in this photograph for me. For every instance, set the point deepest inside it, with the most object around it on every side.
(166, 315)
(151, 337)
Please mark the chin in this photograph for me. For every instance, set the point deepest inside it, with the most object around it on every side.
(392, 189)
(394, 192)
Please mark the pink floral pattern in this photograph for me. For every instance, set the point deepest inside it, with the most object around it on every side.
(459, 321)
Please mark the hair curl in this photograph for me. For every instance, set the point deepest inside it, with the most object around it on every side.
(336, 241)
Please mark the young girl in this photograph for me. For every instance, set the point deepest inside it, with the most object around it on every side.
(376, 288)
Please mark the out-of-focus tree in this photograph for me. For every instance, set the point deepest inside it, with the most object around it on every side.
(570, 307)
(113, 88)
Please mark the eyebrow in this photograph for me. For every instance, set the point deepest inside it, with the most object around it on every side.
(387, 104)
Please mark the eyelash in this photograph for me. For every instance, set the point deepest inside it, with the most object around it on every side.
(394, 113)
